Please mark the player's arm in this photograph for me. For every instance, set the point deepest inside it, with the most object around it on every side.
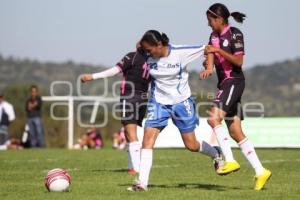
(104, 74)
(236, 57)
(123, 65)
(190, 53)
(209, 66)
(236, 60)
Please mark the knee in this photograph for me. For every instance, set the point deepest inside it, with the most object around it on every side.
(148, 143)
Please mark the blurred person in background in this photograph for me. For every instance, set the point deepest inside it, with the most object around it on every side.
(33, 110)
(119, 140)
(92, 139)
(7, 115)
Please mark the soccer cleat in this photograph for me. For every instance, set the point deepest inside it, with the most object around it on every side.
(218, 160)
(137, 188)
(132, 171)
(228, 168)
(261, 180)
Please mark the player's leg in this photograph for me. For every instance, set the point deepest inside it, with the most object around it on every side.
(134, 117)
(150, 136)
(185, 118)
(227, 96)
(216, 116)
(134, 148)
(157, 119)
(247, 148)
(130, 126)
(191, 143)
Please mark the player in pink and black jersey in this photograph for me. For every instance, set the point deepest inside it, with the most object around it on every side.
(133, 97)
(227, 44)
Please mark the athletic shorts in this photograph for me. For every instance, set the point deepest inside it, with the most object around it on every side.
(228, 98)
(183, 115)
(133, 109)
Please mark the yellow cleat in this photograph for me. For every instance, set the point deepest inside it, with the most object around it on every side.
(261, 180)
(228, 167)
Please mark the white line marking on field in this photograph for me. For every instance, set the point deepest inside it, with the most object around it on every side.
(165, 166)
(279, 161)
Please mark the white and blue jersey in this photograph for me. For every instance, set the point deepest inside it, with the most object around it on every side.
(170, 91)
(170, 75)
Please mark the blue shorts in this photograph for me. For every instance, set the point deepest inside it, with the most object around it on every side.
(183, 115)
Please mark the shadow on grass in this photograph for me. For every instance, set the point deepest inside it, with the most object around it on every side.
(193, 186)
(110, 170)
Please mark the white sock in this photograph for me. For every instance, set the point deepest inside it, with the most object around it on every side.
(249, 152)
(145, 166)
(223, 141)
(134, 156)
(130, 165)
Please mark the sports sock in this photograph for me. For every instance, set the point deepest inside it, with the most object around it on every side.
(249, 152)
(134, 155)
(207, 149)
(145, 166)
(223, 141)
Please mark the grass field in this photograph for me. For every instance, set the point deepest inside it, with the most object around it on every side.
(176, 174)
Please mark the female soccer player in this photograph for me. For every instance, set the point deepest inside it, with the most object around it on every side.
(227, 44)
(170, 98)
(133, 97)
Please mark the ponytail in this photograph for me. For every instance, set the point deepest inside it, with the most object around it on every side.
(238, 17)
(164, 39)
(220, 10)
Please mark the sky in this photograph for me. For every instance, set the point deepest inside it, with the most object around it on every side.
(102, 31)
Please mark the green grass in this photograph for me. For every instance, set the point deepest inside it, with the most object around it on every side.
(176, 174)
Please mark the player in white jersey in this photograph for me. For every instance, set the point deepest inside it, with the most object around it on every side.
(170, 98)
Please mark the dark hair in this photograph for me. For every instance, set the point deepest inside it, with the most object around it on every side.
(152, 37)
(220, 10)
(33, 87)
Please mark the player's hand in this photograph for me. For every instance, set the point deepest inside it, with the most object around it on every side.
(210, 49)
(204, 74)
(86, 77)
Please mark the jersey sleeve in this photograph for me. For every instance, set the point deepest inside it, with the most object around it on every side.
(238, 43)
(126, 62)
(191, 53)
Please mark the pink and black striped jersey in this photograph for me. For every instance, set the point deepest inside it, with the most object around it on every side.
(135, 73)
(230, 40)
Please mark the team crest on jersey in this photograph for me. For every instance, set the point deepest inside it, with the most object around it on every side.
(225, 43)
(153, 66)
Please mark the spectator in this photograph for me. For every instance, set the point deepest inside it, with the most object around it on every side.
(12, 143)
(92, 139)
(33, 109)
(119, 139)
(7, 115)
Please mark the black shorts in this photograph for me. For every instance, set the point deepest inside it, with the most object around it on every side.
(228, 98)
(133, 109)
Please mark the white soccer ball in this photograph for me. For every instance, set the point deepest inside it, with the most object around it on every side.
(57, 180)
